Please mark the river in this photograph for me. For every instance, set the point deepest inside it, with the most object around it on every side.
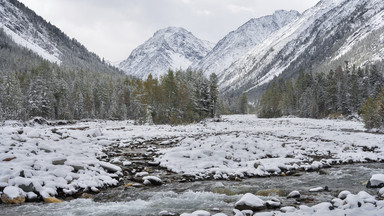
(211, 196)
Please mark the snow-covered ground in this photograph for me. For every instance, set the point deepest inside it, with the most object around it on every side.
(42, 159)
(246, 145)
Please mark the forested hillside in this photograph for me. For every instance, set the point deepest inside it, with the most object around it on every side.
(31, 86)
(343, 91)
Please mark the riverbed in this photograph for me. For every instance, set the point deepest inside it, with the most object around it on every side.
(212, 196)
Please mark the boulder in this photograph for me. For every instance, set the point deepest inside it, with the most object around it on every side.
(376, 181)
(32, 197)
(156, 181)
(166, 213)
(294, 194)
(59, 161)
(52, 200)
(274, 203)
(250, 202)
(288, 209)
(381, 192)
(318, 189)
(201, 213)
(13, 195)
(343, 194)
(109, 167)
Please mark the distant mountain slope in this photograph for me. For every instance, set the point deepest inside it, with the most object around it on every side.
(324, 36)
(33, 32)
(239, 42)
(169, 48)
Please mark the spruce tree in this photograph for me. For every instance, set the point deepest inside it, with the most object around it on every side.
(243, 104)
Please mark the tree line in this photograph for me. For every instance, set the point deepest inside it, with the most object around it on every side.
(31, 86)
(52, 92)
(343, 91)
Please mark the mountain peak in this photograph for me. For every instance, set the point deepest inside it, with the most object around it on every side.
(169, 48)
(323, 37)
(171, 30)
(237, 43)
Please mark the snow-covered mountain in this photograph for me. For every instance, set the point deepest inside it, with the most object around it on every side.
(323, 37)
(169, 48)
(239, 42)
(29, 30)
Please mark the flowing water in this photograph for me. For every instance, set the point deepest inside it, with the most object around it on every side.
(209, 195)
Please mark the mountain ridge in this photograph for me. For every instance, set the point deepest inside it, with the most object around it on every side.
(168, 48)
(31, 31)
(310, 42)
(238, 42)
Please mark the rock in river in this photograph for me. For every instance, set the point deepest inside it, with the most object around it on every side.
(13, 195)
(376, 181)
(250, 202)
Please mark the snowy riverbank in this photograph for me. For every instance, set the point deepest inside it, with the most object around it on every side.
(46, 161)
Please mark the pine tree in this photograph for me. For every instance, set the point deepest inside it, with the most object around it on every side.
(213, 89)
(12, 97)
(331, 94)
(371, 116)
(243, 104)
(379, 103)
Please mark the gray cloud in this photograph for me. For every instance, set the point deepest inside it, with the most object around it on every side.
(113, 28)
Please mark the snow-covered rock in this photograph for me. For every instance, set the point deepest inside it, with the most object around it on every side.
(343, 194)
(294, 194)
(201, 213)
(377, 180)
(170, 48)
(153, 180)
(110, 167)
(250, 202)
(13, 195)
(317, 189)
(273, 204)
(288, 209)
(381, 192)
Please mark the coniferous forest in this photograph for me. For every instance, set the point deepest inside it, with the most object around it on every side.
(344, 91)
(31, 86)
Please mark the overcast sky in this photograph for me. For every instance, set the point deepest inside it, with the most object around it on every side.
(113, 28)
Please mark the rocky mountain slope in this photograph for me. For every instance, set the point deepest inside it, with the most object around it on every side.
(29, 30)
(169, 48)
(324, 36)
(239, 42)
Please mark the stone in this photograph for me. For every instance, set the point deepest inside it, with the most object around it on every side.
(294, 194)
(59, 161)
(272, 204)
(110, 167)
(247, 212)
(27, 188)
(13, 195)
(6, 200)
(86, 196)
(156, 181)
(376, 181)
(167, 213)
(52, 200)
(201, 213)
(343, 194)
(288, 209)
(250, 202)
(32, 197)
(317, 189)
